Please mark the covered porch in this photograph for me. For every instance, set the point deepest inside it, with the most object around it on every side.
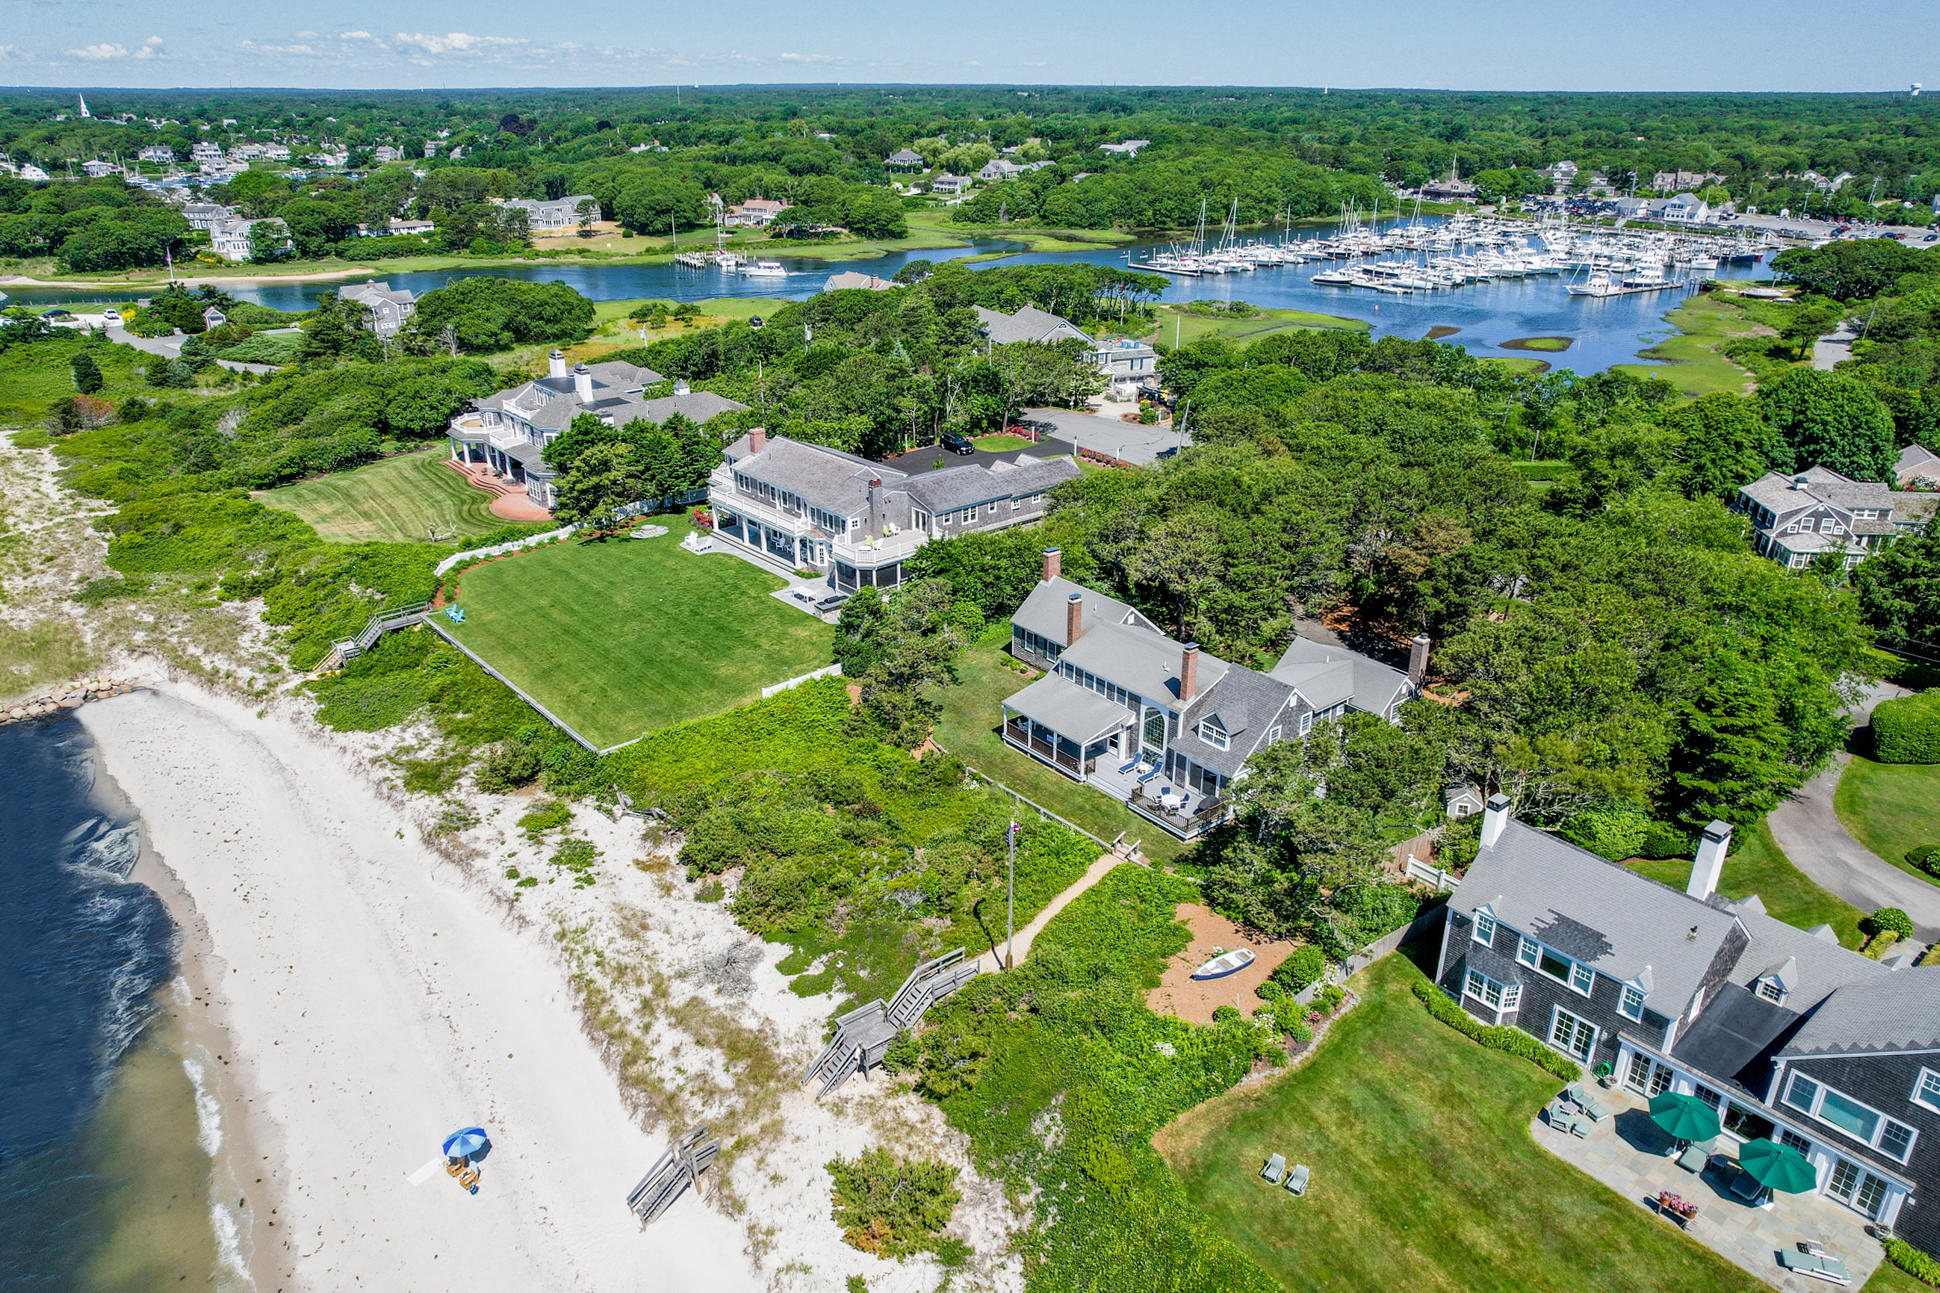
(1055, 721)
(1633, 1156)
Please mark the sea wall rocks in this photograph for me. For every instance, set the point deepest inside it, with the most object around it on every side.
(69, 696)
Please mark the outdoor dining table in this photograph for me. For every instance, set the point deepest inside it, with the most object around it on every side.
(1171, 800)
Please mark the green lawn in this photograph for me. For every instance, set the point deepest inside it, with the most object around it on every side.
(1890, 807)
(625, 636)
(1182, 327)
(393, 500)
(1539, 343)
(1759, 867)
(973, 711)
(1424, 1173)
(1692, 362)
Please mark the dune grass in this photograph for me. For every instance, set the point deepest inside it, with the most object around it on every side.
(396, 500)
(621, 637)
(1425, 1174)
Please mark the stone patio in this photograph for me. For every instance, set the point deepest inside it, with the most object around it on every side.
(1630, 1154)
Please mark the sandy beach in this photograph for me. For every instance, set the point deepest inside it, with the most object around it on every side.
(376, 1004)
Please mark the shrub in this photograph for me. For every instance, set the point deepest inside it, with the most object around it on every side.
(1269, 990)
(889, 1206)
(1227, 1015)
(1926, 857)
(87, 373)
(1495, 1036)
(1300, 1032)
(1914, 1262)
(1888, 920)
(1329, 999)
(1907, 730)
(507, 767)
(1612, 833)
(1664, 841)
(1303, 967)
(547, 815)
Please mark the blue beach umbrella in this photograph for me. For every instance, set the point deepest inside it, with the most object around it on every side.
(464, 1143)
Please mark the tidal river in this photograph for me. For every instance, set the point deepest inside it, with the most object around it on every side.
(109, 1138)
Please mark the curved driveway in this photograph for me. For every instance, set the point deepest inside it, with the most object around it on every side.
(1810, 833)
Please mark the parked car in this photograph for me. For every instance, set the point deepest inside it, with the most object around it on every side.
(110, 317)
(958, 444)
(754, 321)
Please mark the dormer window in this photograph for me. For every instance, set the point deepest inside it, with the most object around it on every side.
(1772, 990)
(1484, 926)
(1214, 733)
(1631, 1003)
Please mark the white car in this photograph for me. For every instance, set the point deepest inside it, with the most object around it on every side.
(111, 318)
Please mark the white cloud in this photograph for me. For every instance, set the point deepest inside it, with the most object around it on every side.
(356, 35)
(150, 48)
(456, 42)
(807, 58)
(99, 53)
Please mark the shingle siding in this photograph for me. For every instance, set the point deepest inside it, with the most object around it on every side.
(1884, 1082)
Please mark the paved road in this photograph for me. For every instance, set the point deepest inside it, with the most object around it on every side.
(1831, 348)
(171, 347)
(1810, 833)
(1127, 441)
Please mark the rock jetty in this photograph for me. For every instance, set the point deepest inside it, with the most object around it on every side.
(69, 696)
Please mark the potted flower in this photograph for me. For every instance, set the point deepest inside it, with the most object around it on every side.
(1678, 1208)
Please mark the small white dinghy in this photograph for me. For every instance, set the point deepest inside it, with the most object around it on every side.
(1221, 966)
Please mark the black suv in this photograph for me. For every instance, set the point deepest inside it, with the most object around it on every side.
(958, 444)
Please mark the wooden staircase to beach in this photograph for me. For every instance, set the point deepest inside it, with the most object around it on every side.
(343, 652)
(862, 1036)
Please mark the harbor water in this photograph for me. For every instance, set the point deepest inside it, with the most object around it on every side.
(1484, 315)
(109, 1137)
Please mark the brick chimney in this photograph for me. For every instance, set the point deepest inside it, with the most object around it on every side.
(1418, 659)
(583, 383)
(1495, 819)
(1074, 618)
(1188, 673)
(1709, 864)
(556, 364)
(757, 439)
(1053, 563)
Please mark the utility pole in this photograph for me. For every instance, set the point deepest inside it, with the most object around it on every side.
(1010, 893)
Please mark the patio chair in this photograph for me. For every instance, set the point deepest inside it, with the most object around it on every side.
(1129, 766)
(1577, 1096)
(1185, 802)
(1818, 1265)
(1149, 773)
(1297, 1180)
(1694, 1158)
(1276, 1167)
(1745, 1187)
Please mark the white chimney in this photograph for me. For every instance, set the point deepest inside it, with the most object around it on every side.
(1494, 818)
(680, 386)
(583, 383)
(1709, 866)
(556, 364)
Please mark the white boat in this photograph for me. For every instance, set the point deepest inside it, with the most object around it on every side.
(764, 269)
(1221, 966)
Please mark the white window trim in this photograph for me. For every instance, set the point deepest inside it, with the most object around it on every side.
(1216, 736)
(1623, 1000)
(1596, 1034)
(1482, 914)
(1919, 1085)
(1306, 722)
(1535, 962)
(1508, 995)
(1818, 1101)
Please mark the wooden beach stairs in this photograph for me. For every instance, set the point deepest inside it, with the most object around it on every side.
(863, 1035)
(397, 617)
(669, 1177)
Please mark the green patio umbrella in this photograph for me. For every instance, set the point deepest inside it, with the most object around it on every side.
(1684, 1117)
(1777, 1167)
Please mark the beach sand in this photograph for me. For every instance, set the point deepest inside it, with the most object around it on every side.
(376, 1002)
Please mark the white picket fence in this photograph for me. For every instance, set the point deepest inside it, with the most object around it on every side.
(826, 671)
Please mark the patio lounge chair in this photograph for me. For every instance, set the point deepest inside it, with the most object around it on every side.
(1817, 1265)
(1297, 1180)
(1129, 766)
(1577, 1096)
(1276, 1167)
(1694, 1158)
(1149, 773)
(1748, 1189)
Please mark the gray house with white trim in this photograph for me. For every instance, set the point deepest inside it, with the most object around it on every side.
(1160, 724)
(389, 307)
(1788, 1035)
(1796, 518)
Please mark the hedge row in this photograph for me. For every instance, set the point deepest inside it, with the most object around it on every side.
(1914, 1262)
(1907, 730)
(1496, 1036)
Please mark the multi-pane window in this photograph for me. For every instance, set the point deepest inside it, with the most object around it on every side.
(1214, 733)
(1496, 996)
(1771, 990)
(1786, 1136)
(1926, 1091)
(1863, 1123)
(1572, 1035)
(1632, 1002)
(1484, 927)
(1857, 1188)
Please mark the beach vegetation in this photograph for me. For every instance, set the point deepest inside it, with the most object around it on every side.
(891, 1206)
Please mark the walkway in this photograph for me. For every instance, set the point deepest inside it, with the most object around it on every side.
(511, 502)
(1021, 944)
(171, 348)
(1809, 832)
(1831, 348)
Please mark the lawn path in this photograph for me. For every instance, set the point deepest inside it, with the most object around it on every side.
(1021, 945)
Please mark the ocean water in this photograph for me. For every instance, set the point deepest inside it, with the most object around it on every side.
(109, 1131)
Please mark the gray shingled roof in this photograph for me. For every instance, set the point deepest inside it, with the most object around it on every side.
(1613, 920)
(1317, 670)
(696, 406)
(1246, 703)
(1071, 710)
(1043, 609)
(1916, 461)
(967, 486)
(850, 280)
(827, 478)
(1817, 967)
(1028, 324)
(1139, 659)
(1896, 1011)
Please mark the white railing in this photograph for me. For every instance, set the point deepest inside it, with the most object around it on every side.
(826, 671)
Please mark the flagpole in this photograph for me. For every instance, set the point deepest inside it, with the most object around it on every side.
(1010, 893)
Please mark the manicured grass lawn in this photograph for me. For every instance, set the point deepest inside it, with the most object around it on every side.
(999, 443)
(391, 501)
(1891, 1279)
(1759, 867)
(1424, 1173)
(625, 636)
(1693, 364)
(1890, 807)
(973, 712)
(1187, 327)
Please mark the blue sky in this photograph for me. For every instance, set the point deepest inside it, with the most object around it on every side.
(1445, 44)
